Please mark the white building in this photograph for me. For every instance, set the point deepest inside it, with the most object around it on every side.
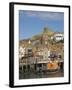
(58, 37)
(21, 52)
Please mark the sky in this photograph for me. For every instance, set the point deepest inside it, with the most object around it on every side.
(33, 22)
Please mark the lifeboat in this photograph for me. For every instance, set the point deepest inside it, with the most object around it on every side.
(52, 66)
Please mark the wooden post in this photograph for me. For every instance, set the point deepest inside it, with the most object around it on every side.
(22, 67)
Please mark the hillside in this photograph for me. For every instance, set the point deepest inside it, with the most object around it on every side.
(46, 31)
(39, 41)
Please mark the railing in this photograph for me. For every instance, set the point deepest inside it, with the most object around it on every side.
(32, 60)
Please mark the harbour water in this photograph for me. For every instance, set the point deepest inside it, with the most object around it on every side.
(33, 75)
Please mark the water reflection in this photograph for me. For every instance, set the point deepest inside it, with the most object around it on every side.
(30, 75)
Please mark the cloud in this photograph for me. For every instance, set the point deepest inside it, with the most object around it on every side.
(46, 15)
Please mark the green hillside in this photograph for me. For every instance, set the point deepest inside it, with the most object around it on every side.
(46, 31)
